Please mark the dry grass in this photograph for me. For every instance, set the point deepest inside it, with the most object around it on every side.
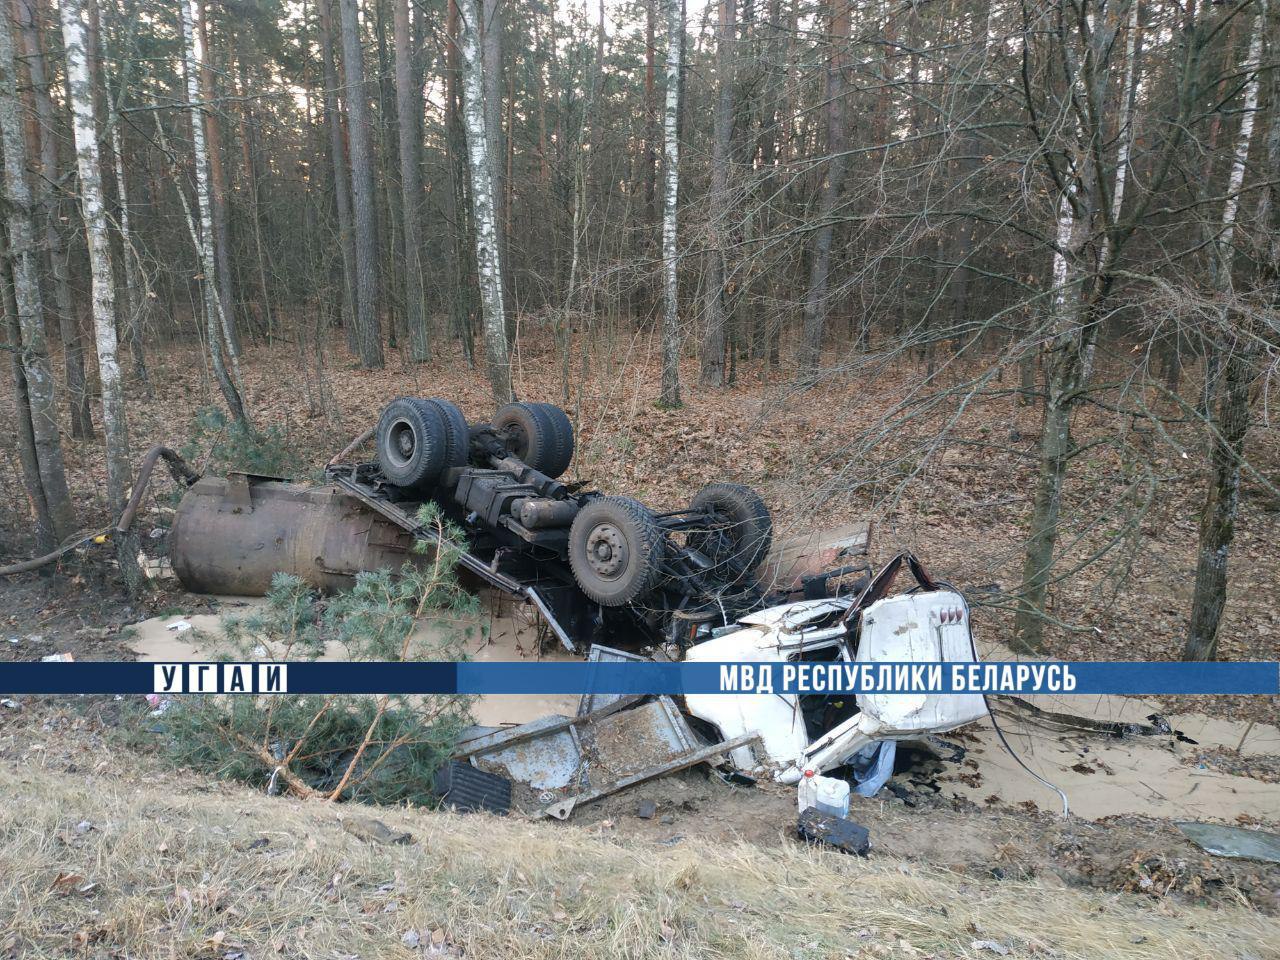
(176, 873)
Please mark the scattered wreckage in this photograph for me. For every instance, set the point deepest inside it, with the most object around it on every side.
(609, 576)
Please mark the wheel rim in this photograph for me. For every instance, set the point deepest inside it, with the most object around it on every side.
(607, 552)
(403, 441)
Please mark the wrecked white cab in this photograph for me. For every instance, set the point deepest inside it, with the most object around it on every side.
(927, 625)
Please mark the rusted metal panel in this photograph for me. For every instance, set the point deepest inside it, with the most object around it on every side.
(231, 535)
(795, 558)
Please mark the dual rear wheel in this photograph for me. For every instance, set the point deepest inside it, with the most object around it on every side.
(616, 544)
(418, 439)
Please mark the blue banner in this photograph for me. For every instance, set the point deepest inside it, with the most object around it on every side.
(1024, 678)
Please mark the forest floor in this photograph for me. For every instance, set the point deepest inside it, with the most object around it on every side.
(950, 481)
(715, 874)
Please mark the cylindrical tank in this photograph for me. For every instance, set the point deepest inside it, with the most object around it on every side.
(230, 535)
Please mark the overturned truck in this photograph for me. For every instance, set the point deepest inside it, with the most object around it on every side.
(599, 568)
(700, 583)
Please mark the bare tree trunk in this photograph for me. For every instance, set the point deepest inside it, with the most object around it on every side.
(815, 300)
(670, 395)
(1124, 130)
(651, 134)
(368, 326)
(484, 215)
(1229, 428)
(491, 58)
(28, 456)
(229, 381)
(409, 114)
(387, 205)
(134, 282)
(27, 16)
(32, 346)
(253, 187)
(714, 338)
(456, 203)
(114, 424)
(1064, 365)
(217, 188)
(341, 176)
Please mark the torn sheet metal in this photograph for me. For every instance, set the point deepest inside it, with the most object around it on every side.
(592, 701)
(774, 635)
(921, 627)
(590, 755)
(795, 558)
(544, 754)
(775, 717)
(561, 809)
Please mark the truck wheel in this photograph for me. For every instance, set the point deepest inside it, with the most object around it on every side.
(741, 530)
(457, 434)
(615, 550)
(535, 437)
(562, 434)
(412, 442)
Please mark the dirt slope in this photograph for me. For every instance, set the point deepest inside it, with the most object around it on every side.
(106, 854)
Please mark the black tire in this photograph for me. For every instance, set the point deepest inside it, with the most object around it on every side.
(741, 531)
(534, 437)
(412, 442)
(457, 434)
(615, 550)
(562, 435)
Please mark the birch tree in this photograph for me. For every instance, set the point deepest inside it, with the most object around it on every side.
(41, 407)
(670, 395)
(1075, 162)
(114, 424)
(409, 115)
(221, 239)
(368, 328)
(134, 280)
(491, 17)
(217, 323)
(47, 151)
(483, 204)
(1230, 423)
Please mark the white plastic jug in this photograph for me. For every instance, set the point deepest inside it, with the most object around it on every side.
(828, 794)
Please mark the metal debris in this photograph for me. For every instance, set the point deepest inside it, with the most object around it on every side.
(1235, 842)
(574, 760)
(467, 789)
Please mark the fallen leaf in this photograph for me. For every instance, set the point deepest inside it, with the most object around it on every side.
(66, 882)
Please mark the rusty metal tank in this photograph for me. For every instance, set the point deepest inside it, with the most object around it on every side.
(230, 535)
